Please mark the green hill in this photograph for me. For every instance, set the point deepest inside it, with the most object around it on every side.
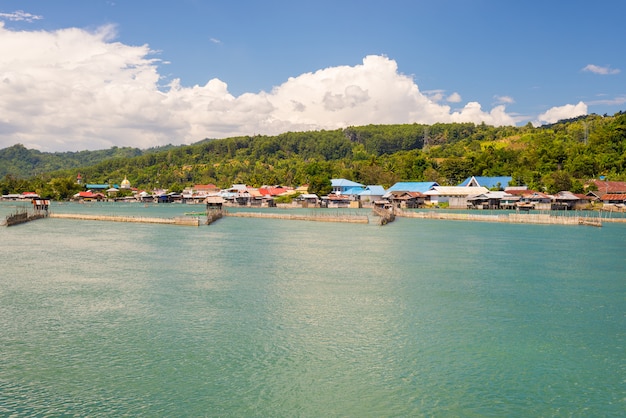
(555, 157)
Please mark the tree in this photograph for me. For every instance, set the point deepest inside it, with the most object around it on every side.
(558, 181)
(320, 185)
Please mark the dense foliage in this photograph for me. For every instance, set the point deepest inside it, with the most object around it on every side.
(555, 157)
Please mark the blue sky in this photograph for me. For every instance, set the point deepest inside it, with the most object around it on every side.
(93, 74)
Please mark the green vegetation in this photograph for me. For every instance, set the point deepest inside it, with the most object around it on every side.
(555, 157)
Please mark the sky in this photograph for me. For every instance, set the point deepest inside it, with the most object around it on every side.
(87, 75)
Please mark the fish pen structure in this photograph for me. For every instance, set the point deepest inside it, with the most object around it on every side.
(515, 218)
(321, 217)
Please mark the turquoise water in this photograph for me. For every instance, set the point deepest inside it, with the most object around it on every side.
(262, 317)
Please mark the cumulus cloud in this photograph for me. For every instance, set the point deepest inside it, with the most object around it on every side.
(71, 89)
(561, 112)
(596, 69)
(454, 98)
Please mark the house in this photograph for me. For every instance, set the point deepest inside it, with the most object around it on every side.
(205, 189)
(144, 196)
(491, 183)
(455, 196)
(535, 200)
(604, 187)
(614, 198)
(214, 202)
(336, 201)
(489, 200)
(353, 192)
(410, 200)
(340, 186)
(509, 201)
(273, 191)
(608, 192)
(199, 192)
(29, 195)
(103, 187)
(564, 200)
(371, 194)
(309, 200)
(88, 196)
(413, 186)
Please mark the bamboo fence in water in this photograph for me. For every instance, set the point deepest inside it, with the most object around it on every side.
(328, 217)
(186, 221)
(517, 218)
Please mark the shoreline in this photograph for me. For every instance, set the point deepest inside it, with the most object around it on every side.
(363, 216)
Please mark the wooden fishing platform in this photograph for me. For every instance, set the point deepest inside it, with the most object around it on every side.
(385, 216)
(40, 207)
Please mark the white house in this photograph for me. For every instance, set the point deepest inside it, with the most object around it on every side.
(455, 196)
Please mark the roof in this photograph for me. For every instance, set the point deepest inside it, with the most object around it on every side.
(205, 187)
(566, 195)
(610, 186)
(614, 196)
(402, 195)
(337, 197)
(373, 191)
(456, 191)
(88, 194)
(214, 200)
(353, 191)
(536, 195)
(344, 183)
(413, 186)
(520, 192)
(100, 186)
(275, 190)
(488, 182)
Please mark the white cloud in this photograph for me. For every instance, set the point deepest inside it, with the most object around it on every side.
(596, 69)
(71, 90)
(19, 15)
(616, 101)
(561, 112)
(454, 98)
(504, 99)
(434, 95)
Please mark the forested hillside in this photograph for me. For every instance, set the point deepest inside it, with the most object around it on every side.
(556, 157)
(20, 162)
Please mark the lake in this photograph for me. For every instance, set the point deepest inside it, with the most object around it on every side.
(265, 317)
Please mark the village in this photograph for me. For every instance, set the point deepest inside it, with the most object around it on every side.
(476, 192)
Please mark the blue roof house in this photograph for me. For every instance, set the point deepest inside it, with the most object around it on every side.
(341, 186)
(372, 193)
(489, 182)
(413, 186)
(94, 186)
